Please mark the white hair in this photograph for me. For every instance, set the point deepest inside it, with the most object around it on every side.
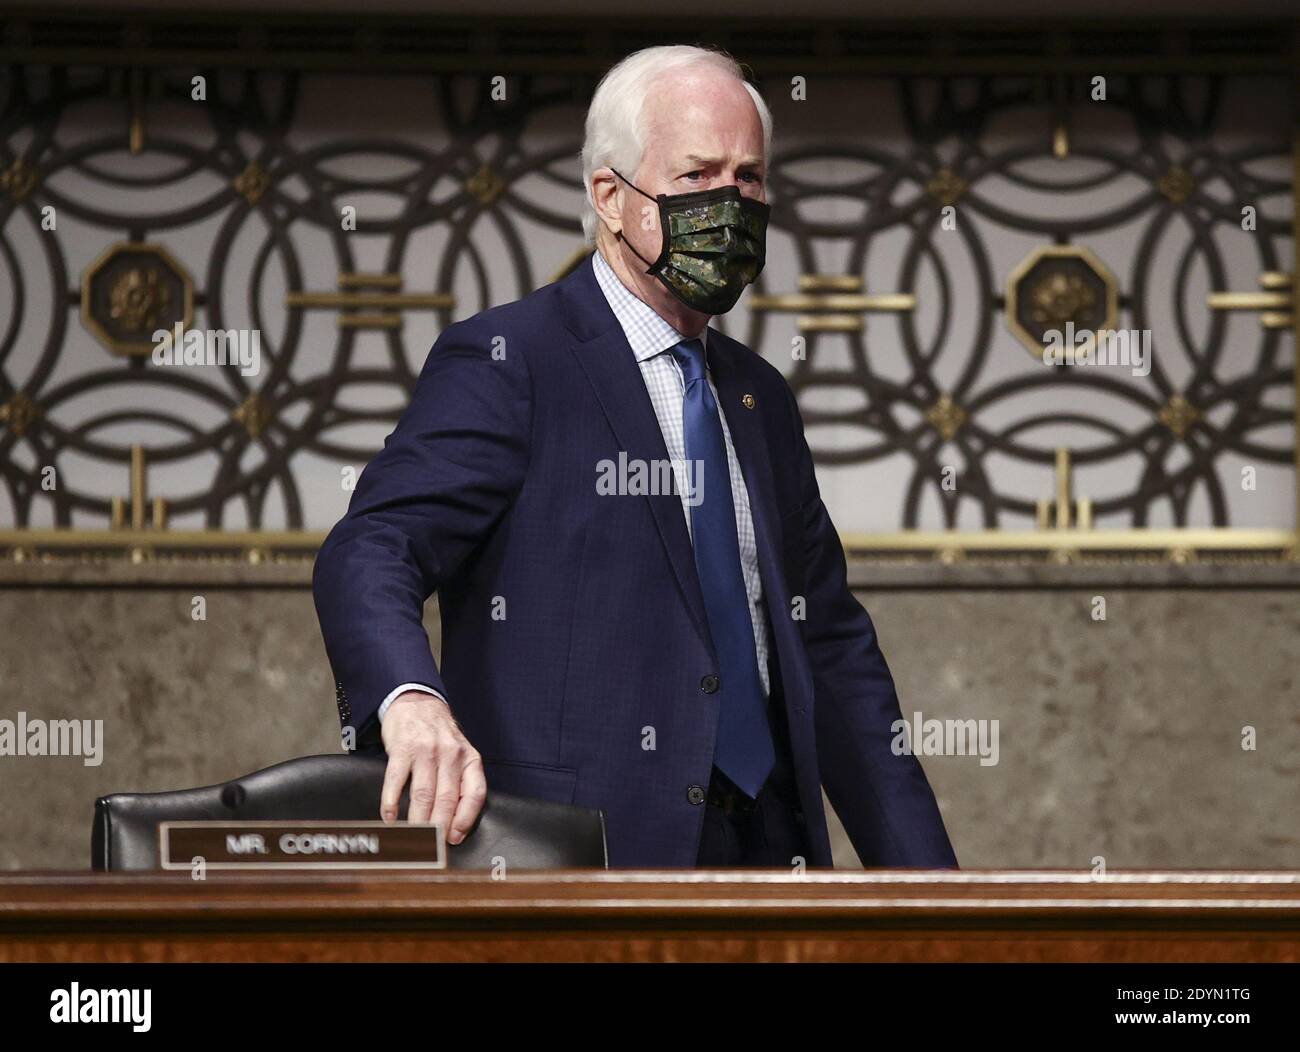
(615, 132)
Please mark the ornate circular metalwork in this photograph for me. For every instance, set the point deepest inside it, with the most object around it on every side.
(935, 386)
(481, 204)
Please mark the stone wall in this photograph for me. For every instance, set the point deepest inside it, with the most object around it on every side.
(1119, 739)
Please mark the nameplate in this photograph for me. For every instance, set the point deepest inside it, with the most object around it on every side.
(302, 845)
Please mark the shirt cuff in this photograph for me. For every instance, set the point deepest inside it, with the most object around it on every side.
(383, 705)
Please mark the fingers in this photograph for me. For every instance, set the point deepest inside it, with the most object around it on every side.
(447, 784)
(473, 794)
(395, 774)
(424, 776)
(448, 795)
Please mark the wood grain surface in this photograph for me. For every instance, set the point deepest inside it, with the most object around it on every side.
(651, 916)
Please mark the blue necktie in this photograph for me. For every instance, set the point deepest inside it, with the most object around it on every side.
(744, 750)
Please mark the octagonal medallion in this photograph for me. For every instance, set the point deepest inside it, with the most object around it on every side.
(132, 290)
(1059, 285)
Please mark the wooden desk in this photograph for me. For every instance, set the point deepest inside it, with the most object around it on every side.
(654, 916)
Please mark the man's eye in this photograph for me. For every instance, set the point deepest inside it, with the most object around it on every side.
(751, 177)
(692, 175)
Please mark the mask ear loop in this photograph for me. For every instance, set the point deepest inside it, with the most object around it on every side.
(652, 269)
(633, 185)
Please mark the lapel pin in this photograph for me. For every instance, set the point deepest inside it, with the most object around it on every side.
(747, 401)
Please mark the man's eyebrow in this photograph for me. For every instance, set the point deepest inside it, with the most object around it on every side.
(748, 162)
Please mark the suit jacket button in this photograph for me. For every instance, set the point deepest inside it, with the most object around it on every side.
(695, 794)
(710, 684)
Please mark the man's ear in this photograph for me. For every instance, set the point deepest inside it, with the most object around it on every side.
(605, 193)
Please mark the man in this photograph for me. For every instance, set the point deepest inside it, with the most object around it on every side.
(643, 599)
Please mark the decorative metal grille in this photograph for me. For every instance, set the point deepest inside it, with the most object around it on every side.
(1161, 183)
(908, 355)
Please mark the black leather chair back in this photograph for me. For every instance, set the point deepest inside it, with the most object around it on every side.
(528, 834)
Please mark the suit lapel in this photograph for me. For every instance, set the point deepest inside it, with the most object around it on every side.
(607, 359)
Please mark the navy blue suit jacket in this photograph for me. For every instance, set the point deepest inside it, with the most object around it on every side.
(574, 631)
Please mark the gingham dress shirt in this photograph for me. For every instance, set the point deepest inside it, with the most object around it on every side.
(652, 339)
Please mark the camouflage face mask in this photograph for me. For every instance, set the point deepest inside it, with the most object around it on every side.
(715, 243)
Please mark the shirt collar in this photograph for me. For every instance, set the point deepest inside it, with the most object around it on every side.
(646, 331)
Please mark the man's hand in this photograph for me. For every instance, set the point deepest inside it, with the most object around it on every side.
(424, 743)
